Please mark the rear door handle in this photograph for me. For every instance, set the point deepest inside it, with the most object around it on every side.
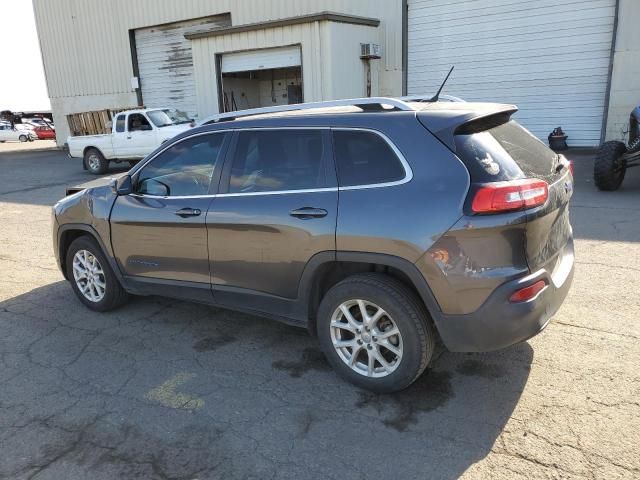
(189, 212)
(306, 213)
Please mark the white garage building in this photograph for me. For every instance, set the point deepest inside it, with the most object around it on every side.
(572, 64)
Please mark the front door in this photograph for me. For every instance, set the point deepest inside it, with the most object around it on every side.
(276, 209)
(159, 232)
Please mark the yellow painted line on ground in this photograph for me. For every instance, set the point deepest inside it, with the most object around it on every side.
(167, 395)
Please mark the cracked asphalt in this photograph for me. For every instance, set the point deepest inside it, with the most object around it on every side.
(164, 389)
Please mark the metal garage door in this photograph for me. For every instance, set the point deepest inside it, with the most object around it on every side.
(165, 62)
(262, 59)
(550, 58)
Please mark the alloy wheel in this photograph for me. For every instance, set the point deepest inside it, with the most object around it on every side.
(366, 338)
(89, 276)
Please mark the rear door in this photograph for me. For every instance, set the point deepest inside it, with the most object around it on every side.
(276, 210)
(159, 233)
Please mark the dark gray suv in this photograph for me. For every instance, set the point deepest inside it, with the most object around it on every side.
(378, 224)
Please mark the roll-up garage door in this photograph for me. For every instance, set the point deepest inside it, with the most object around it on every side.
(550, 58)
(264, 59)
(165, 62)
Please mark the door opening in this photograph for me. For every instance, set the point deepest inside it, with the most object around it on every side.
(261, 88)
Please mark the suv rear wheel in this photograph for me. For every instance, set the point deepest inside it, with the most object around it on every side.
(91, 276)
(375, 332)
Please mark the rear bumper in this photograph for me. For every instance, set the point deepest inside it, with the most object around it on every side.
(498, 323)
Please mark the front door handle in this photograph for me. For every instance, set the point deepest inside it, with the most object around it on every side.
(306, 213)
(189, 212)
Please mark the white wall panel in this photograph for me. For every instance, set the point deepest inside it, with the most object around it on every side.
(85, 43)
(87, 57)
(550, 58)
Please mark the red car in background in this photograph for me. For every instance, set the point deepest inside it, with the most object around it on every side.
(45, 133)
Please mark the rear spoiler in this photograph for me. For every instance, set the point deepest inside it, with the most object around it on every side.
(464, 119)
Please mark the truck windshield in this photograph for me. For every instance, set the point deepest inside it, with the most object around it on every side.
(167, 117)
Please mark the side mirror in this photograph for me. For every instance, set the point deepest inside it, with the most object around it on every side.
(122, 185)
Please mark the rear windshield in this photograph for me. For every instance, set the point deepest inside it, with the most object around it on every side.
(506, 152)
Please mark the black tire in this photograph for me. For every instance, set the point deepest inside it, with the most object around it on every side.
(114, 294)
(95, 161)
(406, 310)
(609, 169)
(23, 138)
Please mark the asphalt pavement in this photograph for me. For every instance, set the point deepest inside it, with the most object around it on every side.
(166, 389)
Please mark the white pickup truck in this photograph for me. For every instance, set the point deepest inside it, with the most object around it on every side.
(135, 134)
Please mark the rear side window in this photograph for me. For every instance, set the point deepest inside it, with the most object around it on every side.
(278, 160)
(505, 152)
(365, 158)
(120, 123)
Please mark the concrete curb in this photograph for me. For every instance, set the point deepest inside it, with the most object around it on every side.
(33, 150)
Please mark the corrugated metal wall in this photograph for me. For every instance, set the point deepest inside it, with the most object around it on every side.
(85, 43)
(550, 58)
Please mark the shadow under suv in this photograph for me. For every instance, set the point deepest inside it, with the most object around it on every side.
(378, 224)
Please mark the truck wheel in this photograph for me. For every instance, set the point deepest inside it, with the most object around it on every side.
(609, 168)
(375, 332)
(95, 161)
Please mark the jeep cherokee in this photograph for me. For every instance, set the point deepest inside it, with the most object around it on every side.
(378, 224)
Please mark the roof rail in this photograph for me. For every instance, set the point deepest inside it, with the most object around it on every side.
(364, 103)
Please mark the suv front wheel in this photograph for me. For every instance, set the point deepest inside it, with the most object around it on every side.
(91, 276)
(375, 332)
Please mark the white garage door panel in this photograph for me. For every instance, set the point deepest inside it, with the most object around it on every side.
(550, 58)
(165, 62)
(262, 59)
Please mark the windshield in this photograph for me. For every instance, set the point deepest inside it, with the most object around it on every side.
(167, 117)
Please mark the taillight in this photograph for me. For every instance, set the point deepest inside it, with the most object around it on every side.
(508, 196)
(527, 293)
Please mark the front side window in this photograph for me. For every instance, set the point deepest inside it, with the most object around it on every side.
(365, 158)
(138, 123)
(185, 169)
(278, 160)
(120, 123)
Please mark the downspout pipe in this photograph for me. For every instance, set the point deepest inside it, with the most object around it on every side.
(612, 55)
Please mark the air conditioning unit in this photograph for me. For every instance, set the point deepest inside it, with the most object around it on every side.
(370, 51)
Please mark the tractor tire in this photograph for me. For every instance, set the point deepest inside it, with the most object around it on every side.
(609, 169)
